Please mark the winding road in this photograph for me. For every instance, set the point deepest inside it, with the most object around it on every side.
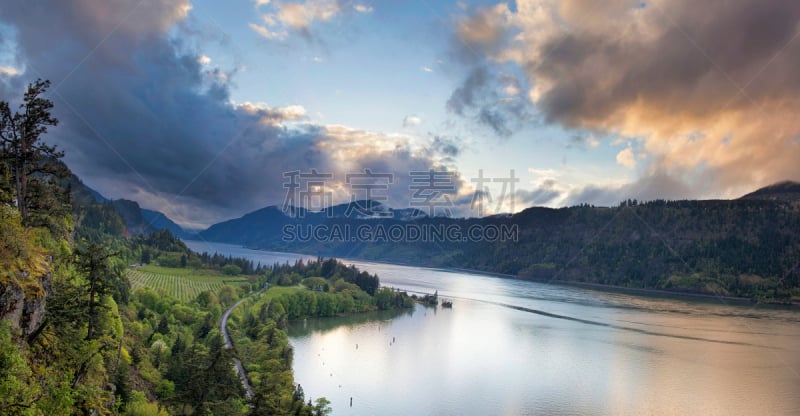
(237, 365)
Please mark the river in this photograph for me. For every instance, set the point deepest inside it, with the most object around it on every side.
(509, 347)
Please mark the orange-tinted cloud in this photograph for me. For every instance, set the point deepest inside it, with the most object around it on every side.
(280, 18)
(146, 117)
(709, 89)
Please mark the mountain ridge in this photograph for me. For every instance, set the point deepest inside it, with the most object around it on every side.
(738, 247)
(779, 191)
(137, 220)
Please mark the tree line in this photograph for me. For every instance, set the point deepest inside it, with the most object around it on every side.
(101, 349)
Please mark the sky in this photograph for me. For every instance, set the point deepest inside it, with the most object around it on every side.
(198, 108)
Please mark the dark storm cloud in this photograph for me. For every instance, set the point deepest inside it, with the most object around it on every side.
(496, 120)
(487, 95)
(481, 97)
(403, 164)
(692, 66)
(582, 141)
(471, 92)
(142, 109)
(446, 146)
(705, 86)
(142, 118)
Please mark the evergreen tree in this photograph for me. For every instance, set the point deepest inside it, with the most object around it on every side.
(101, 279)
(22, 150)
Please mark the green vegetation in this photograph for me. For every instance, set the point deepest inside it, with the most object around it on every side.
(19, 253)
(173, 352)
(319, 288)
(182, 284)
(82, 332)
(29, 165)
(748, 247)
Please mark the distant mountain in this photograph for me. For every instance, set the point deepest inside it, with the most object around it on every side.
(97, 197)
(264, 227)
(781, 191)
(80, 193)
(368, 209)
(745, 247)
(131, 213)
(137, 220)
(159, 221)
(250, 228)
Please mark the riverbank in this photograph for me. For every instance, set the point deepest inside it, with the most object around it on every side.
(295, 292)
(440, 357)
(648, 292)
(657, 293)
(461, 361)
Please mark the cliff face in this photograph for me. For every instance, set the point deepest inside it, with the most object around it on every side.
(25, 309)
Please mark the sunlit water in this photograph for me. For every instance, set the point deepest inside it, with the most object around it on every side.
(509, 347)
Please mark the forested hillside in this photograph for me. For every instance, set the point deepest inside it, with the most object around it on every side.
(748, 247)
(77, 338)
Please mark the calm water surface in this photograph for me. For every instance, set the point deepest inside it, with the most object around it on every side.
(515, 348)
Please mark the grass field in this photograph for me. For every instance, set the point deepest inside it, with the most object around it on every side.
(275, 291)
(182, 284)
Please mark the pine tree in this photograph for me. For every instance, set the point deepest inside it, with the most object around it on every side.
(25, 155)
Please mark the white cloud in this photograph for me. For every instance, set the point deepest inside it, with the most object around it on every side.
(292, 112)
(627, 158)
(411, 121)
(282, 17)
(593, 142)
(511, 90)
(8, 71)
(273, 115)
(544, 174)
(203, 60)
(264, 32)
(299, 16)
(426, 69)
(317, 59)
(270, 19)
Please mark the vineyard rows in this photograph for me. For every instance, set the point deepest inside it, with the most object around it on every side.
(184, 288)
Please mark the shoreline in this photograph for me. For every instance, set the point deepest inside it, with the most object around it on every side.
(662, 293)
(646, 292)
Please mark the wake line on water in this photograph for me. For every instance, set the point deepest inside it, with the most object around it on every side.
(608, 325)
(626, 328)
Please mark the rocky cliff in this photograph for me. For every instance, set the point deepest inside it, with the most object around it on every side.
(23, 306)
